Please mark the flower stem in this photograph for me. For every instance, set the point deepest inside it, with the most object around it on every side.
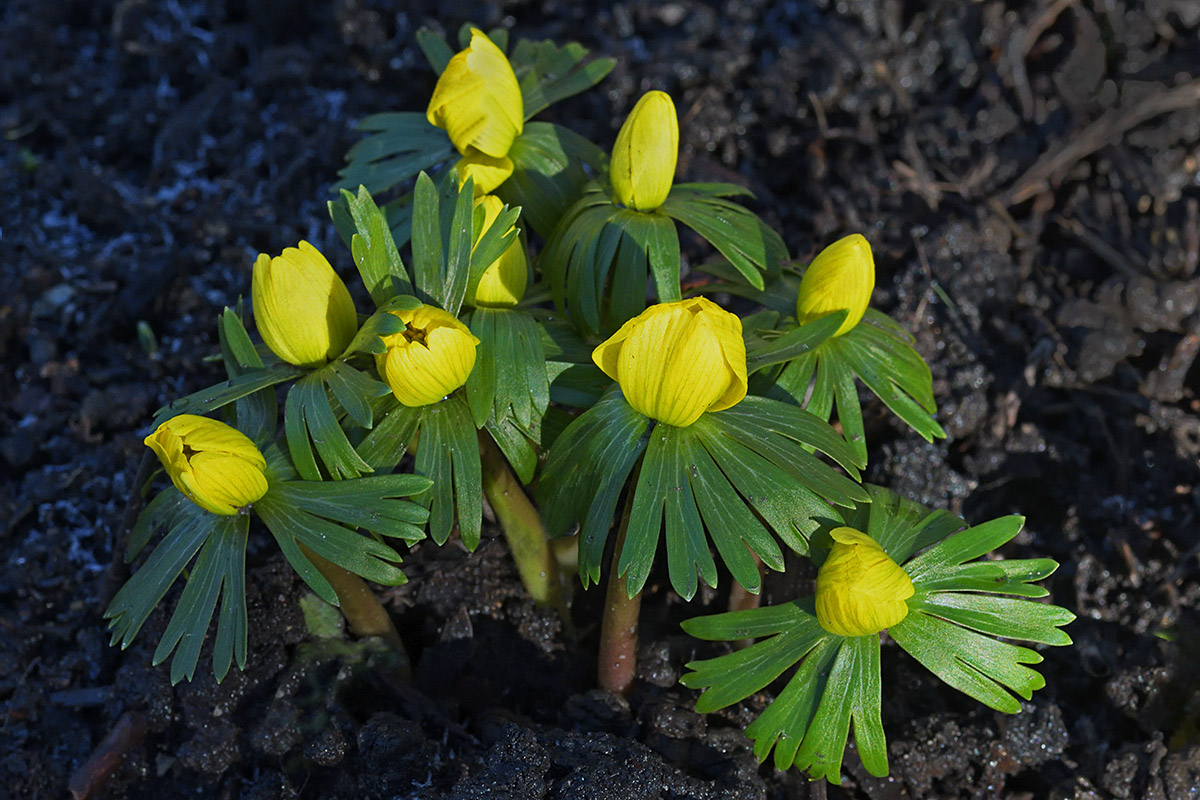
(365, 615)
(522, 526)
(616, 662)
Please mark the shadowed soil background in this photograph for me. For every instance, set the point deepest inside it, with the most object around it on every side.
(1027, 174)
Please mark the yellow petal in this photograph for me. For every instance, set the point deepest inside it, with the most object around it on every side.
(860, 589)
(502, 284)
(302, 308)
(487, 172)
(477, 99)
(216, 466)
(842, 276)
(642, 168)
(431, 359)
(674, 361)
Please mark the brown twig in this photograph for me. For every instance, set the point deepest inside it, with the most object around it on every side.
(127, 734)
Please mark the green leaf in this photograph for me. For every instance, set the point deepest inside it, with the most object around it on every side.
(510, 376)
(374, 250)
(585, 471)
(209, 400)
(655, 235)
(389, 440)
(381, 323)
(764, 352)
(219, 572)
(751, 246)
(964, 546)
(435, 48)
(899, 525)
(549, 73)
(548, 175)
(309, 420)
(1008, 617)
(517, 445)
(448, 454)
(377, 504)
(426, 239)
(293, 525)
(398, 145)
(354, 391)
(459, 238)
(257, 414)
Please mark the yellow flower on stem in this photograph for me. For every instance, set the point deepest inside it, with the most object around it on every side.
(842, 276)
(215, 466)
(301, 307)
(477, 100)
(429, 359)
(503, 283)
(643, 159)
(860, 589)
(674, 361)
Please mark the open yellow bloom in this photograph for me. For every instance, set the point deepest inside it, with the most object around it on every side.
(477, 100)
(215, 466)
(301, 307)
(503, 283)
(643, 159)
(674, 361)
(428, 360)
(860, 590)
(842, 276)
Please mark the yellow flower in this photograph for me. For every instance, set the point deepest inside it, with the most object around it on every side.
(215, 466)
(428, 360)
(477, 100)
(643, 159)
(842, 276)
(860, 590)
(488, 172)
(674, 361)
(301, 307)
(503, 283)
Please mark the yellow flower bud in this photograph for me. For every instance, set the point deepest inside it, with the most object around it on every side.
(477, 99)
(428, 360)
(842, 276)
(674, 361)
(301, 307)
(215, 466)
(503, 283)
(643, 159)
(488, 172)
(860, 590)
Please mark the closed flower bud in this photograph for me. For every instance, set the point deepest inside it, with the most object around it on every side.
(429, 359)
(487, 172)
(860, 590)
(674, 361)
(302, 309)
(842, 276)
(215, 466)
(503, 283)
(477, 99)
(643, 159)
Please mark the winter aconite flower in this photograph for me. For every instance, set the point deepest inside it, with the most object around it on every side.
(215, 466)
(643, 159)
(860, 590)
(430, 358)
(674, 361)
(503, 283)
(477, 101)
(841, 277)
(303, 310)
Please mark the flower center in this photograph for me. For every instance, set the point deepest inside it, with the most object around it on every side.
(415, 335)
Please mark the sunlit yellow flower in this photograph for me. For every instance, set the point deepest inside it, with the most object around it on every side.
(215, 466)
(301, 307)
(503, 283)
(860, 590)
(674, 361)
(842, 276)
(428, 360)
(477, 100)
(488, 172)
(643, 159)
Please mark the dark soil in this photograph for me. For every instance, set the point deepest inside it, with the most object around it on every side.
(1027, 173)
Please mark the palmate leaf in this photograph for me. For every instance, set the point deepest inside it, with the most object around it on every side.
(749, 244)
(957, 609)
(548, 173)
(447, 454)
(214, 397)
(309, 421)
(585, 471)
(836, 686)
(371, 243)
(256, 414)
(398, 145)
(510, 378)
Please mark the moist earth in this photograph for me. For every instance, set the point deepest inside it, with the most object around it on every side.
(1027, 173)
